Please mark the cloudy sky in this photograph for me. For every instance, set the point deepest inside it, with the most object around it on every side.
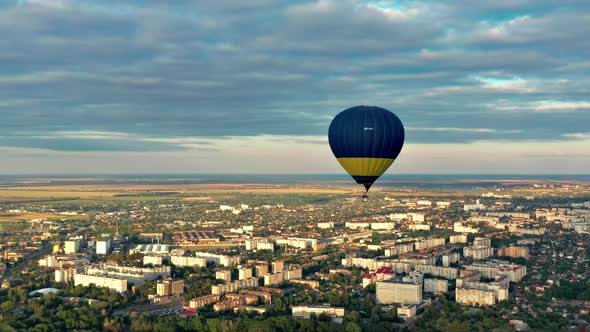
(234, 86)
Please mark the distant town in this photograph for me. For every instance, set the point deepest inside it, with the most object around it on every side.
(484, 256)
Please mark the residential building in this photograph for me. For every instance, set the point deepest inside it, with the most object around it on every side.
(429, 243)
(153, 260)
(479, 293)
(169, 287)
(234, 286)
(436, 285)
(478, 252)
(260, 270)
(219, 259)
(203, 301)
(438, 271)
(244, 273)
(66, 275)
(458, 227)
(450, 258)
(514, 252)
(188, 261)
(103, 246)
(399, 249)
(474, 207)
(224, 275)
(71, 246)
(305, 311)
(277, 266)
(389, 292)
(493, 268)
(115, 283)
(406, 311)
(260, 244)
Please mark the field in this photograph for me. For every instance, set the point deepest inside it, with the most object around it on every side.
(78, 191)
(192, 192)
(11, 217)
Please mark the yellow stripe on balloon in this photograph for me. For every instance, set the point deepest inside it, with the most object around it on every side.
(365, 166)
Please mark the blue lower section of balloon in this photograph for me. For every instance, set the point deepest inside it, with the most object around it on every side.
(360, 179)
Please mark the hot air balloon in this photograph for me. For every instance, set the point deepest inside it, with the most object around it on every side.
(366, 140)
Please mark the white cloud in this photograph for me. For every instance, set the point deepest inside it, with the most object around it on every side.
(451, 129)
(579, 136)
(549, 106)
(45, 3)
(514, 84)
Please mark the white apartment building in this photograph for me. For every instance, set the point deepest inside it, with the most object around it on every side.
(388, 292)
(439, 271)
(494, 268)
(460, 228)
(376, 226)
(244, 273)
(305, 311)
(419, 227)
(399, 249)
(326, 225)
(416, 217)
(278, 278)
(474, 207)
(478, 252)
(135, 275)
(188, 261)
(458, 239)
(71, 246)
(234, 286)
(429, 243)
(301, 243)
(373, 264)
(116, 284)
(219, 259)
(103, 246)
(436, 285)
(260, 244)
(153, 260)
(224, 275)
(482, 241)
(450, 258)
(66, 275)
(479, 293)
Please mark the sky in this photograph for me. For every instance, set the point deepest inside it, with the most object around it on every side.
(233, 86)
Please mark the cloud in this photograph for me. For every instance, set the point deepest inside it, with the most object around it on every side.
(578, 136)
(550, 106)
(514, 84)
(128, 76)
(44, 3)
(447, 129)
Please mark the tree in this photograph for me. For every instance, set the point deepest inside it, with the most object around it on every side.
(352, 327)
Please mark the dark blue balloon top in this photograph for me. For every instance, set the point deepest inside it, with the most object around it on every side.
(366, 132)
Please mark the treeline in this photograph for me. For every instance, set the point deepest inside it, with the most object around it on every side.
(570, 290)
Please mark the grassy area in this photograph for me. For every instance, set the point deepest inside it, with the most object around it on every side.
(51, 193)
(11, 217)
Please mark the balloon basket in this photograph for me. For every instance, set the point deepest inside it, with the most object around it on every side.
(365, 197)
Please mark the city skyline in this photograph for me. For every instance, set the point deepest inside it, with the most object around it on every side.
(492, 87)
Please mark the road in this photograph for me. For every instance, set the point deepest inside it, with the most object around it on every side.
(167, 305)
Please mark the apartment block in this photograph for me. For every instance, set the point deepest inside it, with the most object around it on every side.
(389, 292)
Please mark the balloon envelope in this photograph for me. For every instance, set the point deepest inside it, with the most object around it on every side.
(366, 140)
